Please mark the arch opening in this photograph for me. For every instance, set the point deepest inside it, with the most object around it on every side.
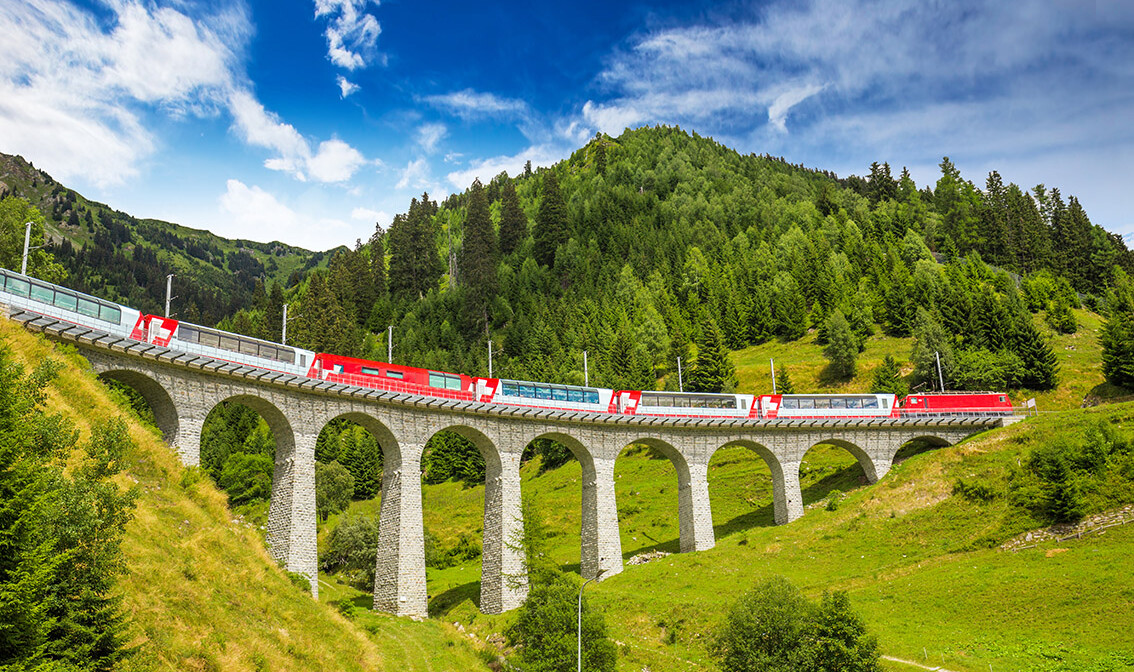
(148, 399)
(648, 477)
(917, 446)
(350, 455)
(742, 483)
(831, 468)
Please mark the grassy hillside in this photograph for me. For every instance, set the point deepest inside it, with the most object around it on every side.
(201, 590)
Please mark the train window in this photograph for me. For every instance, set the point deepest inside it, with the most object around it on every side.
(838, 402)
(822, 402)
(575, 396)
(249, 348)
(208, 338)
(871, 402)
(66, 300)
(885, 403)
(370, 371)
(110, 313)
(509, 389)
(807, 403)
(1002, 400)
(268, 351)
(743, 404)
(527, 391)
(228, 343)
(854, 403)
(41, 293)
(559, 393)
(543, 392)
(591, 397)
(790, 403)
(436, 379)
(187, 334)
(87, 307)
(396, 375)
(18, 286)
(302, 359)
(453, 382)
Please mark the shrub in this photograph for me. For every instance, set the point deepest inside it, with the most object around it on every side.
(246, 478)
(334, 488)
(546, 629)
(352, 548)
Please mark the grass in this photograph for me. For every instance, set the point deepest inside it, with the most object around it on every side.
(920, 564)
(200, 589)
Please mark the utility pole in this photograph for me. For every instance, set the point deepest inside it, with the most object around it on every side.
(27, 241)
(586, 370)
(773, 361)
(390, 344)
(490, 359)
(940, 377)
(168, 292)
(680, 383)
(283, 338)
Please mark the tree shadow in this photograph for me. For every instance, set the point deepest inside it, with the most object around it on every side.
(446, 601)
(915, 447)
(763, 516)
(844, 480)
(670, 546)
(829, 378)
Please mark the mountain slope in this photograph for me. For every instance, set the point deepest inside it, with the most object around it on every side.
(200, 588)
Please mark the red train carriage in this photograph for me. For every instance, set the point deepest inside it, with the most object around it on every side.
(384, 376)
(957, 403)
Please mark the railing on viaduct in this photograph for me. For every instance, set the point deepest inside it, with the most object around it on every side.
(182, 389)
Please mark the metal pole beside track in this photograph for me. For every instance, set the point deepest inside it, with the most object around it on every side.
(680, 383)
(390, 344)
(940, 377)
(773, 362)
(168, 292)
(27, 241)
(490, 359)
(283, 336)
(586, 370)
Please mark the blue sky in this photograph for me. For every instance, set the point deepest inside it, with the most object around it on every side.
(307, 121)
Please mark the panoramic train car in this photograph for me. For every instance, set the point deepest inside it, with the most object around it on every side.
(828, 406)
(957, 403)
(544, 395)
(21, 291)
(685, 404)
(383, 376)
(222, 345)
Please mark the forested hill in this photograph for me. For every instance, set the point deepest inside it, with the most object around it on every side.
(112, 254)
(659, 244)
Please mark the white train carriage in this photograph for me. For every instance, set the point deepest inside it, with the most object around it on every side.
(38, 296)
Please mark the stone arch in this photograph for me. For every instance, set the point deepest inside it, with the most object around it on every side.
(278, 423)
(695, 520)
(927, 442)
(159, 400)
(383, 436)
(601, 552)
(503, 582)
(787, 503)
(864, 459)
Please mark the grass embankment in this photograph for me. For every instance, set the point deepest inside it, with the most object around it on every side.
(200, 588)
(920, 563)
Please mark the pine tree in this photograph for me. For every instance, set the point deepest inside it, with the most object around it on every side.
(415, 265)
(1041, 368)
(842, 347)
(513, 221)
(479, 257)
(271, 323)
(713, 371)
(930, 340)
(1117, 337)
(888, 379)
(378, 262)
(551, 222)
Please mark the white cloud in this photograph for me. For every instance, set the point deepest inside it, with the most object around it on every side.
(469, 104)
(612, 119)
(486, 169)
(379, 217)
(336, 161)
(254, 214)
(347, 87)
(418, 176)
(783, 102)
(352, 34)
(74, 93)
(428, 135)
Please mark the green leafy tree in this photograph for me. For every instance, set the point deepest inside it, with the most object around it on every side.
(842, 346)
(334, 488)
(479, 257)
(15, 213)
(712, 371)
(247, 477)
(841, 640)
(513, 220)
(351, 548)
(888, 379)
(546, 629)
(551, 229)
(930, 340)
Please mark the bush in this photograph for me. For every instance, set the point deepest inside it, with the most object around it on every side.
(334, 488)
(352, 549)
(774, 628)
(984, 370)
(546, 629)
(246, 478)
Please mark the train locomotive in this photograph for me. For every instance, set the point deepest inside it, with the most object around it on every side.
(64, 304)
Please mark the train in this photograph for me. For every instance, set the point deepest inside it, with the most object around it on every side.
(64, 304)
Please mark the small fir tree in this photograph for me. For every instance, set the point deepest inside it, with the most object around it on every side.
(712, 372)
(888, 379)
(513, 220)
(842, 346)
(551, 221)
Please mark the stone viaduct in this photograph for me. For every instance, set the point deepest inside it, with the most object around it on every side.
(182, 389)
